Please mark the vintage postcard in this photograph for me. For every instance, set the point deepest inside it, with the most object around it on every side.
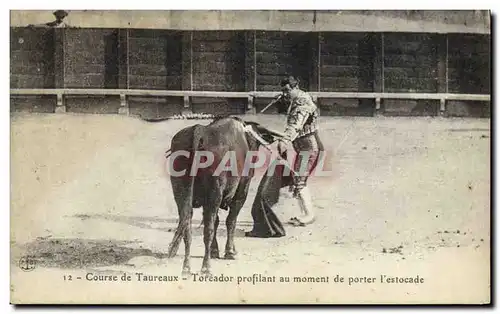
(250, 157)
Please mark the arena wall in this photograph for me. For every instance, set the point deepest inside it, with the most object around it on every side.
(395, 61)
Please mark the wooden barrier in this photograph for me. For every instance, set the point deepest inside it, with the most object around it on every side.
(124, 93)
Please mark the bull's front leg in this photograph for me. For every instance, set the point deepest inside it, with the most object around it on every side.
(209, 217)
(230, 252)
(235, 207)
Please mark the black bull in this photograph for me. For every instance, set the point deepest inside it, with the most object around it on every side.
(209, 191)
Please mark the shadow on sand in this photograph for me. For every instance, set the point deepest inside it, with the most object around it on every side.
(167, 224)
(74, 253)
(80, 253)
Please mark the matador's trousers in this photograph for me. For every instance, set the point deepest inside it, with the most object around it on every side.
(312, 145)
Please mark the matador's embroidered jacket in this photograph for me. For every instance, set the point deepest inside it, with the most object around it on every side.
(302, 115)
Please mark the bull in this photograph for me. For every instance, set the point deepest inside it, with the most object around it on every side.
(212, 192)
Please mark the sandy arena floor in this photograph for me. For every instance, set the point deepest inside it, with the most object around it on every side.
(409, 196)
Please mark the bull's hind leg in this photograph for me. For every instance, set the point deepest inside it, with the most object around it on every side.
(186, 266)
(214, 249)
(213, 199)
(209, 217)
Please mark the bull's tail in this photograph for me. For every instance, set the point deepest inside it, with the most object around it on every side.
(186, 211)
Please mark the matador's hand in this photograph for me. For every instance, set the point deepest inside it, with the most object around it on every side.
(282, 148)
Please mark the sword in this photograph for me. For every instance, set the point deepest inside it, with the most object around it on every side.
(272, 103)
